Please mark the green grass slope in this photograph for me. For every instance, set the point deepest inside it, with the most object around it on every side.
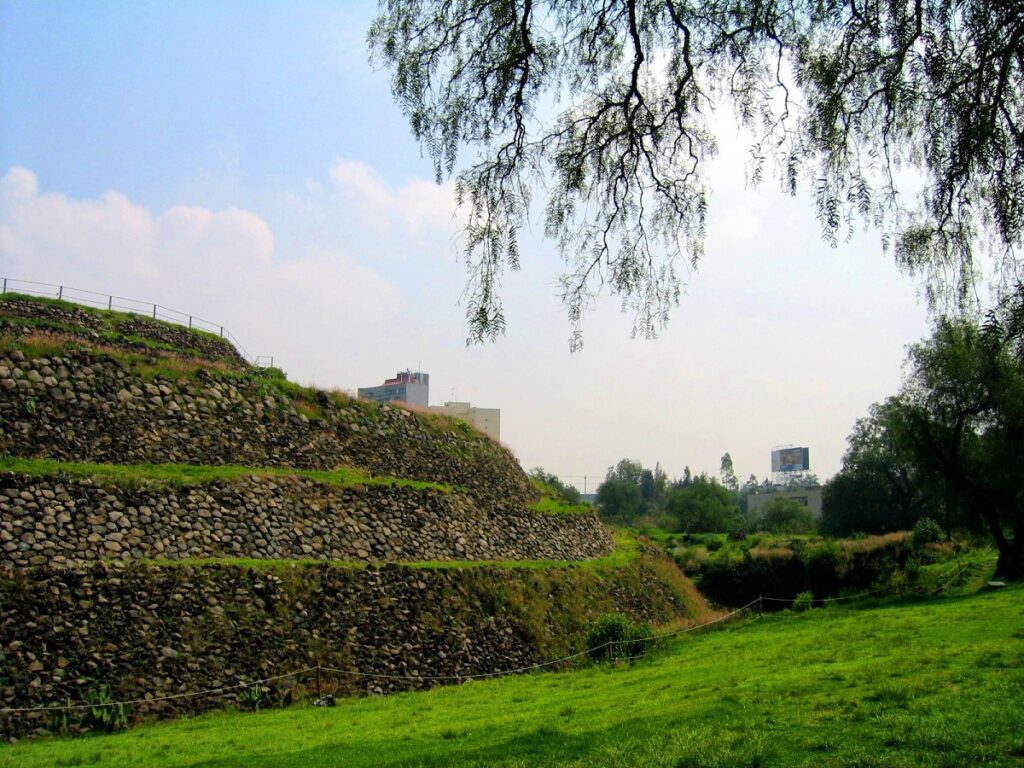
(938, 683)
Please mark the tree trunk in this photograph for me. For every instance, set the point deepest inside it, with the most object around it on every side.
(1010, 565)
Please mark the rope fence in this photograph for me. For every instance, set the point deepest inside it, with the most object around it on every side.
(224, 690)
(458, 678)
(147, 309)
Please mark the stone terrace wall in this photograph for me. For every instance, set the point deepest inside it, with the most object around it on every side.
(67, 522)
(159, 631)
(86, 406)
(75, 319)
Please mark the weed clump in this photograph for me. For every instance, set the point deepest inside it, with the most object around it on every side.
(616, 636)
(926, 531)
(803, 602)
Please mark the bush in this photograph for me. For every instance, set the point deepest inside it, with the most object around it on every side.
(926, 531)
(804, 601)
(825, 565)
(103, 714)
(616, 636)
(782, 515)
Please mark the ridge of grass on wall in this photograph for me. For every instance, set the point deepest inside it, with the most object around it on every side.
(625, 552)
(180, 475)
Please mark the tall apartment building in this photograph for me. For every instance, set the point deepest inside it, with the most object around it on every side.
(411, 387)
(487, 420)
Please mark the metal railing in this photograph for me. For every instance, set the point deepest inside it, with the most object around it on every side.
(133, 306)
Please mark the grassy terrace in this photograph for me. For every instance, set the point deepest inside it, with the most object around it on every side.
(165, 361)
(108, 318)
(180, 475)
(936, 683)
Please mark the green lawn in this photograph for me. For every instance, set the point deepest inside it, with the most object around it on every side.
(937, 683)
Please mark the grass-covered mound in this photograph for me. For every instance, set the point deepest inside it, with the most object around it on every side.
(174, 520)
(83, 385)
(936, 683)
(22, 314)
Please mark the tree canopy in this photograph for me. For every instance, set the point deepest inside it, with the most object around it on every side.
(949, 441)
(878, 489)
(603, 109)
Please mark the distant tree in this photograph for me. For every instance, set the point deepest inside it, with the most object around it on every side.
(630, 491)
(960, 416)
(782, 515)
(951, 439)
(567, 492)
(619, 501)
(605, 108)
(728, 474)
(878, 489)
(703, 506)
(804, 479)
(627, 470)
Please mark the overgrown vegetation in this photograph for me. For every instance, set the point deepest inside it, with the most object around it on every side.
(734, 572)
(616, 636)
(926, 684)
(552, 486)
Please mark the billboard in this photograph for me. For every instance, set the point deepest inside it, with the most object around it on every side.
(791, 460)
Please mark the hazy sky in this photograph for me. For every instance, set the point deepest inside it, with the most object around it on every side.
(244, 163)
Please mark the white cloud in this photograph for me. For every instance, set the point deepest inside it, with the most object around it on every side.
(418, 205)
(220, 265)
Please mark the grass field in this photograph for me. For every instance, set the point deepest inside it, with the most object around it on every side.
(935, 683)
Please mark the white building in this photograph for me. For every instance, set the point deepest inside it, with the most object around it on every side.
(487, 420)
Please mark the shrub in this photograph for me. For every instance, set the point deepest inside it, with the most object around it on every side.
(103, 714)
(804, 601)
(615, 636)
(825, 566)
(926, 531)
(783, 515)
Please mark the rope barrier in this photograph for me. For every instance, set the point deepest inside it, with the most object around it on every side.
(220, 691)
(355, 673)
(653, 638)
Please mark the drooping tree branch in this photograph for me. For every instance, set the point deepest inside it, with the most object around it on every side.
(600, 108)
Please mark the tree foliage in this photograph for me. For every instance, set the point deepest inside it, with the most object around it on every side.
(704, 506)
(877, 490)
(630, 491)
(782, 515)
(950, 442)
(961, 420)
(603, 107)
(566, 492)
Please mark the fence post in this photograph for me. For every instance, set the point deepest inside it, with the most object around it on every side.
(110, 302)
(222, 331)
(318, 694)
(190, 322)
(154, 311)
(5, 286)
(60, 291)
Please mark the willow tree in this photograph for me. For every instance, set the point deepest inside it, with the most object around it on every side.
(600, 111)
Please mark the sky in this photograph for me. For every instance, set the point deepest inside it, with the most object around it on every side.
(244, 163)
